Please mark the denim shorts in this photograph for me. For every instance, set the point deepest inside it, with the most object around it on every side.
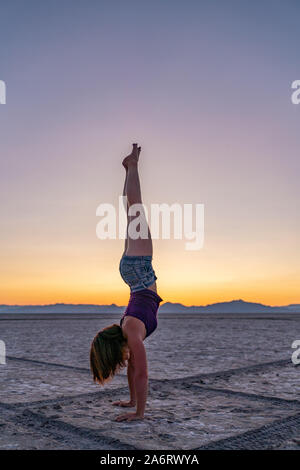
(137, 272)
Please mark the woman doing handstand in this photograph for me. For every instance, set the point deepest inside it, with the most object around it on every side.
(116, 344)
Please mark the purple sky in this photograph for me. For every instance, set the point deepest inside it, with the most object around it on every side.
(204, 87)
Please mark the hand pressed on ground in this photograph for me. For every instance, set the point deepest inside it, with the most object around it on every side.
(129, 417)
(124, 403)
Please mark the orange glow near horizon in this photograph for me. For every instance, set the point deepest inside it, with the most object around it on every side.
(85, 86)
(78, 277)
(208, 296)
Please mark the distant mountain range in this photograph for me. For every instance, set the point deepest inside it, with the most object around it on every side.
(235, 306)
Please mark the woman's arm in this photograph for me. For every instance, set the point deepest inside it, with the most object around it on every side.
(140, 375)
(139, 372)
(130, 377)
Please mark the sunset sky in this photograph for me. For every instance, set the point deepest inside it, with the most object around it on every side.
(205, 88)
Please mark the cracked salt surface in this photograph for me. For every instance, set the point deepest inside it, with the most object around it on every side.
(176, 422)
(56, 404)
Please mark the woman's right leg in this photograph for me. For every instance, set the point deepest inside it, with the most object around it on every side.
(132, 190)
(126, 208)
(136, 246)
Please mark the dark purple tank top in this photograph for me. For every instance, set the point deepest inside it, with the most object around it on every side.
(144, 305)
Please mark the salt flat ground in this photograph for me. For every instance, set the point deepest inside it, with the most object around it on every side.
(216, 381)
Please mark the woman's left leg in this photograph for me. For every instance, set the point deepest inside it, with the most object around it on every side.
(126, 208)
(136, 246)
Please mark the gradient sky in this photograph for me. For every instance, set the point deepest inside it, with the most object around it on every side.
(205, 88)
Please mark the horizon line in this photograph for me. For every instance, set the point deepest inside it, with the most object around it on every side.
(167, 302)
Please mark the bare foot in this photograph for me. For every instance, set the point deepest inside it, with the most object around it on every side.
(133, 158)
